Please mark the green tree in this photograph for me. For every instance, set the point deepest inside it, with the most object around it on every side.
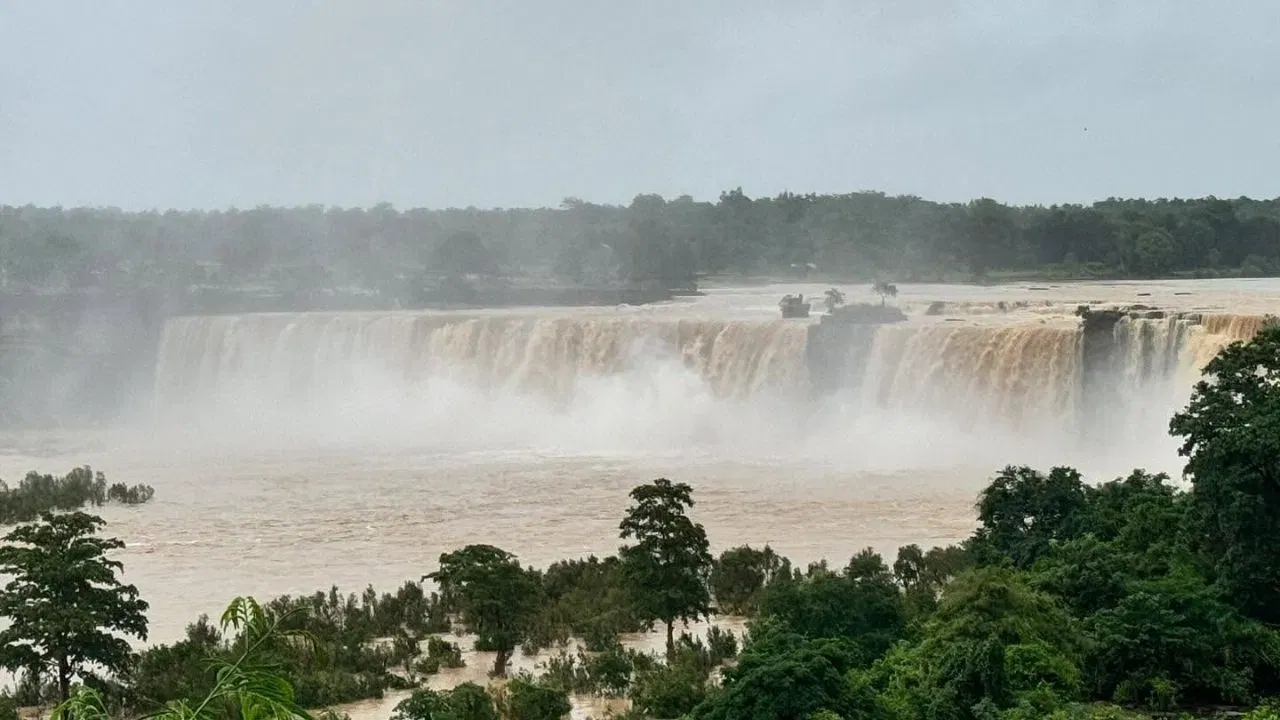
(528, 700)
(865, 607)
(1023, 511)
(1230, 435)
(1172, 640)
(740, 574)
(467, 701)
(991, 641)
(495, 597)
(666, 568)
(66, 608)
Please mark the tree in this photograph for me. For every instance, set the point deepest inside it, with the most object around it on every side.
(65, 606)
(865, 607)
(833, 299)
(1231, 438)
(467, 701)
(528, 700)
(495, 596)
(884, 290)
(739, 575)
(1172, 639)
(1023, 511)
(992, 640)
(667, 568)
(772, 683)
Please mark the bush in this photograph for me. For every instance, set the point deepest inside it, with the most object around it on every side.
(721, 645)
(467, 701)
(669, 691)
(136, 495)
(447, 654)
(529, 700)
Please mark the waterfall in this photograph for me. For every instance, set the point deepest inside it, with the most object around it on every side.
(292, 356)
(1025, 376)
(974, 373)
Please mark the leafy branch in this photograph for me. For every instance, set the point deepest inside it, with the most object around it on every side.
(257, 690)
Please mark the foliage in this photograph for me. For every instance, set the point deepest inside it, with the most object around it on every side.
(585, 598)
(782, 674)
(173, 672)
(65, 606)
(126, 495)
(1023, 511)
(37, 494)
(347, 658)
(1230, 435)
(740, 574)
(863, 604)
(466, 701)
(853, 234)
(246, 687)
(670, 690)
(993, 639)
(884, 290)
(530, 700)
(832, 299)
(667, 567)
(1171, 640)
(922, 575)
(496, 598)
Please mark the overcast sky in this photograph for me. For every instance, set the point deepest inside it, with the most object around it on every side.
(211, 103)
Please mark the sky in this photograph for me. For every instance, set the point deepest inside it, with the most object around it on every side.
(509, 103)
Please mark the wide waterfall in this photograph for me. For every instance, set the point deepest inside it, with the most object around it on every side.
(1024, 376)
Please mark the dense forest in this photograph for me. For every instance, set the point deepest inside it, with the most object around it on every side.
(1137, 597)
(653, 240)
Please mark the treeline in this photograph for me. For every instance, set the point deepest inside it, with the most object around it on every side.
(652, 240)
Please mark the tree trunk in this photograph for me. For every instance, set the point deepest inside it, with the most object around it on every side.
(671, 643)
(500, 663)
(64, 679)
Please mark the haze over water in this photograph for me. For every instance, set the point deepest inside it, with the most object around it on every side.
(292, 452)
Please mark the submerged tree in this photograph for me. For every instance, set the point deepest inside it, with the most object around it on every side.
(66, 608)
(884, 290)
(667, 568)
(833, 299)
(495, 597)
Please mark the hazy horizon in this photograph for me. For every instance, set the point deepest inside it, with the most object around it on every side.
(209, 105)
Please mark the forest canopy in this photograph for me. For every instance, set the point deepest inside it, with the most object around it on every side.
(654, 240)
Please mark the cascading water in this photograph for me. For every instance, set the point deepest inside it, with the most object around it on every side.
(316, 354)
(975, 374)
(627, 374)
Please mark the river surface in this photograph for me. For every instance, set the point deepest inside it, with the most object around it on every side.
(294, 452)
